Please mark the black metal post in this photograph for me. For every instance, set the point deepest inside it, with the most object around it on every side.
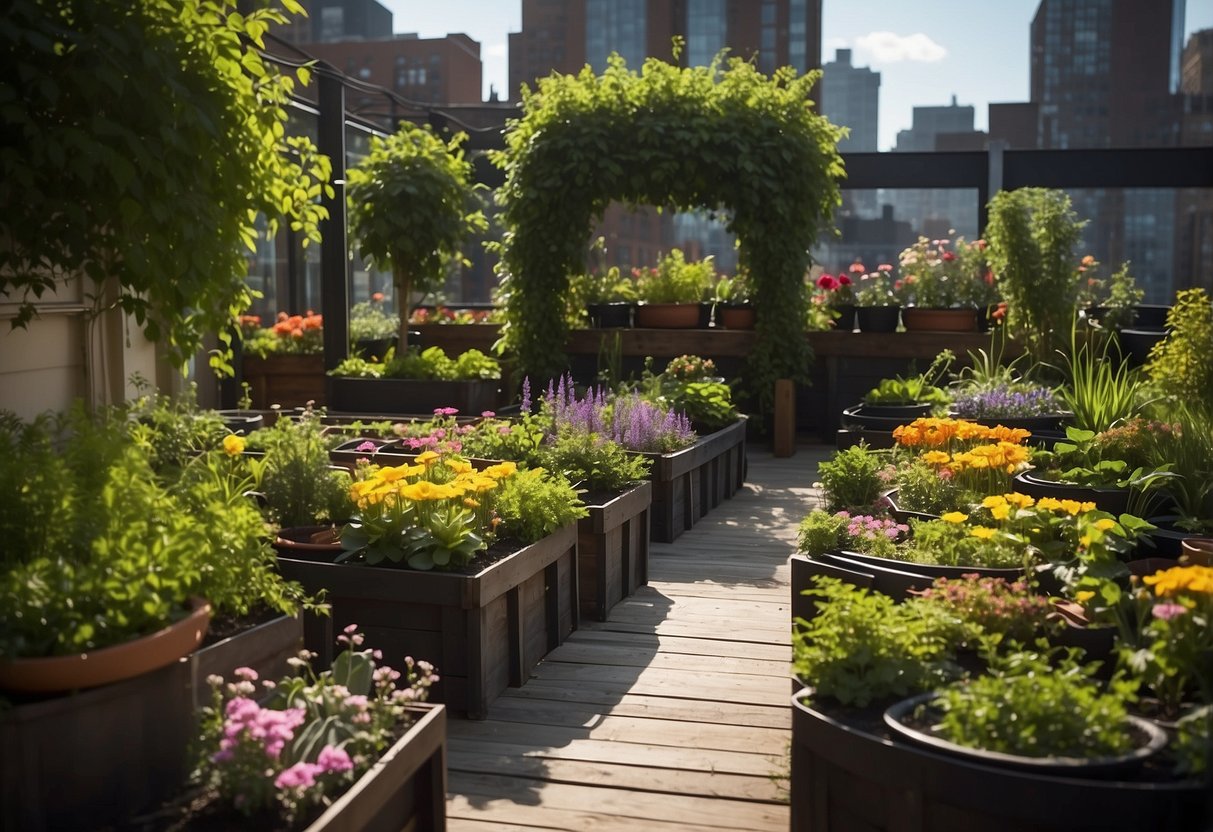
(334, 253)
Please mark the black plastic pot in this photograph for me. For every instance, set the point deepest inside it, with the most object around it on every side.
(611, 315)
(883, 416)
(1043, 424)
(1167, 537)
(877, 318)
(376, 347)
(845, 322)
(1112, 500)
(1136, 344)
(242, 422)
(902, 515)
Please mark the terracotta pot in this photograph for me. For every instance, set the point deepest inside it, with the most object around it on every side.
(1197, 551)
(739, 316)
(53, 674)
(928, 319)
(315, 543)
(667, 315)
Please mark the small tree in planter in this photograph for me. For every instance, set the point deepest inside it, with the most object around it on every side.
(412, 203)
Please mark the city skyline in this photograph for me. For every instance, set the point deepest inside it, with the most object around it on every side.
(926, 52)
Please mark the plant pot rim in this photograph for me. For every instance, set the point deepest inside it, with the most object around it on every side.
(55, 674)
(1073, 766)
(1031, 477)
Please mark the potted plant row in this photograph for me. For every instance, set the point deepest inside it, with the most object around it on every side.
(415, 382)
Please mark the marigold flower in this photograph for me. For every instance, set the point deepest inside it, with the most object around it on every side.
(982, 532)
(1019, 500)
(1182, 580)
(233, 445)
(954, 517)
(427, 458)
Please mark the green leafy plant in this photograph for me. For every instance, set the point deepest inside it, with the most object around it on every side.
(1102, 392)
(945, 273)
(862, 647)
(952, 542)
(299, 484)
(171, 427)
(290, 335)
(592, 461)
(706, 403)
(153, 134)
(1037, 704)
(370, 321)
(762, 155)
(920, 488)
(919, 389)
(411, 205)
(1179, 366)
(852, 479)
(994, 605)
(1032, 235)
(1115, 297)
(875, 289)
(677, 281)
(608, 286)
(734, 290)
(533, 504)
(429, 364)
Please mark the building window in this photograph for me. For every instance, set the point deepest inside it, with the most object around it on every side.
(706, 30)
(332, 23)
(615, 26)
(798, 28)
(766, 46)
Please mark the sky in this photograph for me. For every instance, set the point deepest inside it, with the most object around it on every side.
(926, 51)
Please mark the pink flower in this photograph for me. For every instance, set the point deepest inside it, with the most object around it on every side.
(857, 268)
(445, 411)
(948, 257)
(334, 759)
(245, 673)
(488, 414)
(368, 445)
(1166, 612)
(298, 776)
(884, 267)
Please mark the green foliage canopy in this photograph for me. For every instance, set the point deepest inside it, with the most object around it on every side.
(722, 137)
(142, 141)
(411, 204)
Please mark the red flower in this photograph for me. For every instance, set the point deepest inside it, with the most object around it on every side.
(1000, 312)
(948, 256)
(843, 280)
(827, 282)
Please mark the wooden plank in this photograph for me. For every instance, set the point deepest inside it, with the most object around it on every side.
(703, 783)
(523, 744)
(678, 684)
(693, 628)
(600, 654)
(681, 645)
(638, 806)
(510, 814)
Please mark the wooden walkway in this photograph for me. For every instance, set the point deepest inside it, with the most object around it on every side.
(674, 713)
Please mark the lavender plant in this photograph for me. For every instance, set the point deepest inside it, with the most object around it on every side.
(630, 420)
(1006, 403)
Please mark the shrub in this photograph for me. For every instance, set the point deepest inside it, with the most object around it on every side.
(534, 504)
(851, 480)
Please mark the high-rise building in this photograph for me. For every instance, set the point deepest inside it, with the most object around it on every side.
(1107, 73)
(329, 21)
(1196, 65)
(565, 35)
(850, 97)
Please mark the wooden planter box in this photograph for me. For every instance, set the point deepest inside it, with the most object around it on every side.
(687, 484)
(613, 550)
(265, 648)
(406, 395)
(406, 789)
(287, 380)
(846, 779)
(482, 632)
(92, 758)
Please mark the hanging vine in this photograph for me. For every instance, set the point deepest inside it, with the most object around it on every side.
(723, 137)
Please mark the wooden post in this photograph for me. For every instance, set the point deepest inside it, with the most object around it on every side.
(784, 440)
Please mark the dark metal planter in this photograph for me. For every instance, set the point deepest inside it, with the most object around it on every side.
(410, 396)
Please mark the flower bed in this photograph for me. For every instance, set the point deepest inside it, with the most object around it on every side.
(483, 631)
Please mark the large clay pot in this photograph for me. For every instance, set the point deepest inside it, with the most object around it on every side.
(1197, 551)
(930, 319)
(109, 664)
(735, 316)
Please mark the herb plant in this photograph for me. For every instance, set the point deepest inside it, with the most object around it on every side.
(1179, 365)
(533, 504)
(299, 484)
(592, 461)
(851, 480)
(822, 531)
(1035, 704)
(677, 281)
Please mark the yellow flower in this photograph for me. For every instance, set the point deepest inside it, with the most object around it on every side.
(993, 501)
(1001, 512)
(233, 445)
(954, 517)
(983, 532)
(470, 503)
(1106, 524)
(1019, 500)
(1084, 596)
(1049, 504)
(459, 466)
(936, 458)
(501, 470)
(423, 490)
(427, 459)
(1182, 580)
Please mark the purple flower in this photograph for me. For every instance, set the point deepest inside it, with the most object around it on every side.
(1165, 612)
(526, 395)
(1006, 402)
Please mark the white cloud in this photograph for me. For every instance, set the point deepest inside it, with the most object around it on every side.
(890, 47)
(495, 50)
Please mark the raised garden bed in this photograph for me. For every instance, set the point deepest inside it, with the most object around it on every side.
(687, 484)
(88, 759)
(482, 632)
(613, 550)
(849, 775)
(287, 380)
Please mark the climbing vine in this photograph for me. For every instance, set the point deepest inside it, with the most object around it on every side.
(723, 137)
(142, 141)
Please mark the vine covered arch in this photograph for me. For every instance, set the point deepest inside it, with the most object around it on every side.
(723, 137)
